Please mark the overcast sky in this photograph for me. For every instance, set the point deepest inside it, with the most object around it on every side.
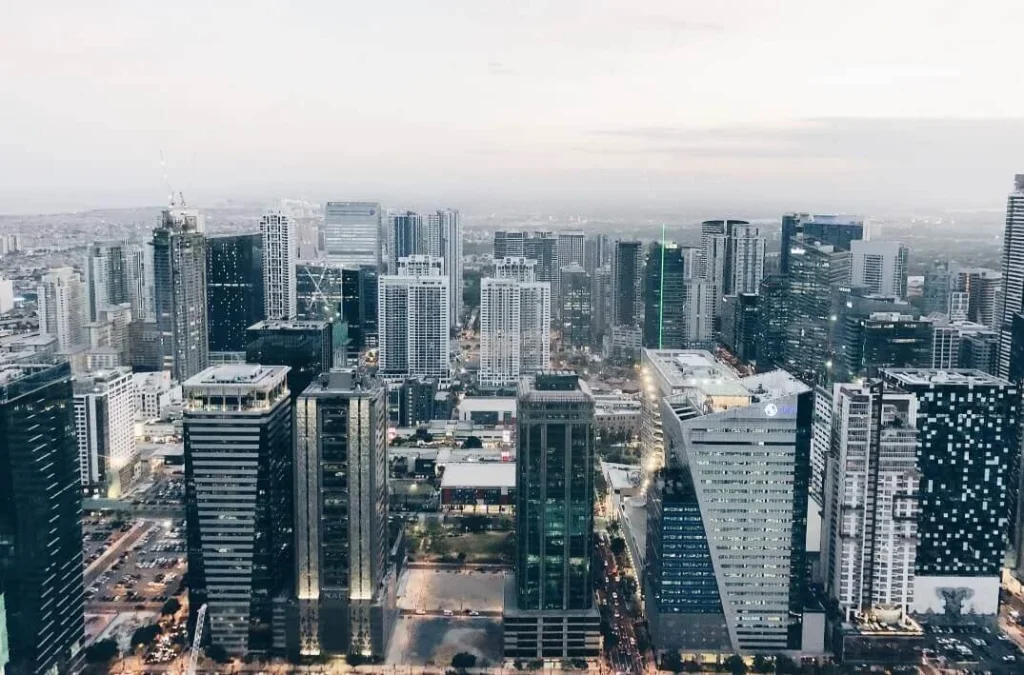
(811, 104)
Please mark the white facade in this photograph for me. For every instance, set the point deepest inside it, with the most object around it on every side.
(515, 329)
(62, 307)
(444, 240)
(105, 430)
(279, 293)
(154, 393)
(352, 233)
(1013, 272)
(140, 279)
(880, 266)
(700, 301)
(746, 252)
(6, 295)
(535, 315)
(871, 506)
(413, 320)
(518, 269)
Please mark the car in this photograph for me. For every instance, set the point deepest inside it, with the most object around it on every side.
(473, 612)
(421, 612)
(448, 612)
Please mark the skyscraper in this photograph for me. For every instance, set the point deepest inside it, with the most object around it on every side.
(105, 431)
(278, 233)
(814, 271)
(345, 585)
(234, 289)
(570, 249)
(406, 237)
(179, 291)
(627, 284)
(981, 287)
(549, 602)
(871, 507)
(444, 240)
(830, 230)
(515, 329)
(968, 454)
(306, 347)
(343, 296)
(543, 247)
(62, 308)
(238, 455)
(40, 519)
(352, 233)
(725, 571)
(937, 285)
(665, 304)
(1013, 272)
(882, 340)
(413, 328)
(518, 269)
(576, 309)
(508, 244)
(732, 257)
(107, 276)
(880, 266)
(140, 279)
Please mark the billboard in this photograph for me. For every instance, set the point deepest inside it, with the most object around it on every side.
(956, 596)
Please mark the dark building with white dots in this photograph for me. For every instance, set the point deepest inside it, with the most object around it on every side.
(968, 453)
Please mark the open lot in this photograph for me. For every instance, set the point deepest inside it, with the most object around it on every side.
(144, 575)
(460, 591)
(420, 640)
(972, 647)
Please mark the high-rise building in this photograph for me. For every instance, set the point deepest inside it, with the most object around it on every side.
(981, 287)
(413, 323)
(831, 230)
(741, 321)
(518, 269)
(5, 651)
(880, 266)
(238, 503)
(278, 233)
(771, 333)
(515, 329)
(346, 584)
(444, 240)
(814, 271)
(543, 247)
(234, 289)
(1013, 272)
(968, 454)
(725, 572)
(570, 249)
(600, 301)
(535, 317)
(406, 237)
(576, 309)
(937, 285)
(882, 340)
(306, 347)
(732, 258)
(343, 296)
(597, 252)
(549, 602)
(352, 233)
(179, 292)
(664, 297)
(870, 528)
(62, 309)
(107, 276)
(508, 244)
(105, 430)
(40, 519)
(627, 284)
(140, 279)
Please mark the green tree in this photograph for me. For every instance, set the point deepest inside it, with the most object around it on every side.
(103, 651)
(763, 664)
(472, 443)
(618, 545)
(218, 653)
(735, 665)
(170, 607)
(145, 635)
(672, 661)
(785, 665)
(464, 660)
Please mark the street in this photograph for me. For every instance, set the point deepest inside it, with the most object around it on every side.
(612, 596)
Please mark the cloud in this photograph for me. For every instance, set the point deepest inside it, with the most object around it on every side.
(885, 75)
(680, 25)
(495, 67)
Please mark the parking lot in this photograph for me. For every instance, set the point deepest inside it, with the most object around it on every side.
(458, 591)
(145, 575)
(972, 648)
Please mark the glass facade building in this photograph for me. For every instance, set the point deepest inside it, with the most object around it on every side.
(234, 289)
(343, 296)
(306, 347)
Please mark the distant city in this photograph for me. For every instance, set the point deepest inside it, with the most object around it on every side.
(353, 437)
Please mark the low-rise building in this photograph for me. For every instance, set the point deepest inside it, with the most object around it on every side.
(154, 394)
(618, 415)
(479, 487)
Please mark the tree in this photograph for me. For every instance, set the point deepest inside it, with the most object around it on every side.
(355, 659)
(464, 660)
(103, 651)
(785, 665)
(672, 661)
(422, 434)
(618, 546)
(735, 665)
(763, 664)
(474, 523)
(218, 653)
(171, 607)
(472, 443)
(145, 635)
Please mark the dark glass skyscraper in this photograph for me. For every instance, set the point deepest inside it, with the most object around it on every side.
(40, 519)
(234, 289)
(832, 230)
(343, 296)
(576, 307)
(549, 605)
(306, 347)
(883, 340)
(665, 297)
(627, 284)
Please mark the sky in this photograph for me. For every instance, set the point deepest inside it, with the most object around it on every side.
(591, 104)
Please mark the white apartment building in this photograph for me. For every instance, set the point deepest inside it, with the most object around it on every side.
(880, 266)
(279, 296)
(413, 320)
(105, 429)
(62, 310)
(154, 393)
(516, 268)
(515, 329)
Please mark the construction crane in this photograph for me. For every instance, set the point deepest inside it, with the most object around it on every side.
(197, 639)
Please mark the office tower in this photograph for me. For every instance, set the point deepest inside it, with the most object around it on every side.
(238, 457)
(234, 289)
(535, 315)
(519, 269)
(570, 249)
(406, 237)
(352, 233)
(40, 519)
(627, 284)
(814, 271)
(980, 350)
(543, 247)
(600, 300)
(343, 296)
(105, 430)
(664, 299)
(179, 292)
(597, 251)
(981, 287)
(725, 573)
(345, 585)
(880, 266)
(278, 233)
(958, 305)
(306, 347)
(413, 320)
(444, 240)
(771, 333)
(508, 244)
(937, 285)
(107, 276)
(882, 340)
(871, 507)
(741, 322)
(515, 329)
(140, 279)
(830, 230)
(576, 308)
(1013, 272)
(732, 258)
(62, 310)
(968, 454)
(549, 608)
(416, 401)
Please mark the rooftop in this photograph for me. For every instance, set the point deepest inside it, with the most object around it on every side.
(680, 369)
(237, 377)
(479, 475)
(934, 376)
(287, 324)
